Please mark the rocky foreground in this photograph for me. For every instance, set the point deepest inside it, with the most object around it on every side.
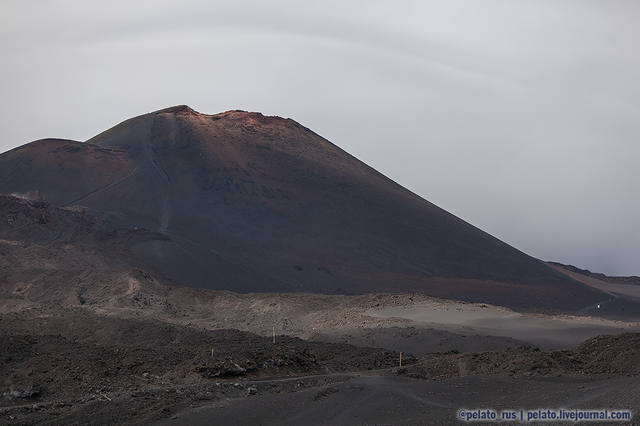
(71, 365)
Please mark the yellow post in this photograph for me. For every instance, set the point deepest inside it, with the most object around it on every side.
(211, 352)
(400, 359)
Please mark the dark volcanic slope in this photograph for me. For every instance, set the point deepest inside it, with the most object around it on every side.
(256, 203)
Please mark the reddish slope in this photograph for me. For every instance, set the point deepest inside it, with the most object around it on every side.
(255, 203)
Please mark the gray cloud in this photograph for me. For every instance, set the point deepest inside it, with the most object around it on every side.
(520, 117)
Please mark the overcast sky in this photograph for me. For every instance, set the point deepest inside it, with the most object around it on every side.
(521, 117)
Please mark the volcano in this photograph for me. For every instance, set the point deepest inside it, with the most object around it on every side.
(253, 203)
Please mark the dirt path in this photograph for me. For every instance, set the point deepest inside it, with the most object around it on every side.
(398, 400)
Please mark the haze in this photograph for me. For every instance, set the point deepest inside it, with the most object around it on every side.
(521, 117)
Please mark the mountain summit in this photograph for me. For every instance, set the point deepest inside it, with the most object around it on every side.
(248, 202)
